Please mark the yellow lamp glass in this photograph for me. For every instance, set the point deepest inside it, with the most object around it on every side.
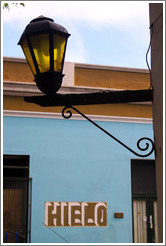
(59, 49)
(28, 56)
(40, 46)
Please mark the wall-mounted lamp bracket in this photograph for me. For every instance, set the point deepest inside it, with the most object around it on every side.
(105, 97)
(149, 146)
(101, 97)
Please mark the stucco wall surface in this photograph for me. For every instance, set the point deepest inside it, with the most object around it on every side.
(71, 160)
(111, 79)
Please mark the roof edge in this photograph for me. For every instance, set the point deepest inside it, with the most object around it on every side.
(112, 68)
(14, 59)
(85, 65)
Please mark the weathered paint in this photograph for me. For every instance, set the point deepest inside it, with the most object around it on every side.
(124, 80)
(70, 160)
(15, 69)
(84, 75)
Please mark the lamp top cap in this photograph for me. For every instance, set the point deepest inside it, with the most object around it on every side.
(41, 18)
(40, 25)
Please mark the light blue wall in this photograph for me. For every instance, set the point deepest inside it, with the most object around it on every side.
(71, 160)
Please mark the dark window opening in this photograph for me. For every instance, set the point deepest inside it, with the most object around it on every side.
(16, 199)
(144, 201)
(15, 166)
(143, 177)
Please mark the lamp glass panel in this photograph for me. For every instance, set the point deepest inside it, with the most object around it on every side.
(59, 49)
(40, 45)
(28, 56)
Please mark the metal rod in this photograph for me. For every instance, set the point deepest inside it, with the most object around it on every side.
(69, 115)
(51, 41)
(30, 208)
(6, 237)
(16, 167)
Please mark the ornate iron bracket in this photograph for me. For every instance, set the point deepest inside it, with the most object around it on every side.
(67, 113)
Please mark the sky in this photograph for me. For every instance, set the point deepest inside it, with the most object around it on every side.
(111, 33)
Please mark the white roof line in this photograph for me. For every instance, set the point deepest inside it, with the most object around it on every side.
(84, 65)
(111, 68)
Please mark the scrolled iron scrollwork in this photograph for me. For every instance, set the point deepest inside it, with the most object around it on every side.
(149, 146)
(66, 114)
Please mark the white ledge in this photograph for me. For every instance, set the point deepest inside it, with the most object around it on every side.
(14, 59)
(111, 68)
(48, 115)
(14, 88)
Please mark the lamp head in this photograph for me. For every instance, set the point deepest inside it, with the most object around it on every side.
(44, 45)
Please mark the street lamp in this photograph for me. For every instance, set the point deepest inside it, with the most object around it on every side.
(44, 45)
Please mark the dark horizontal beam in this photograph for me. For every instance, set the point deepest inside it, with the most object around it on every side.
(105, 97)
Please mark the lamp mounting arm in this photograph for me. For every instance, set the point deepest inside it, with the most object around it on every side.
(67, 113)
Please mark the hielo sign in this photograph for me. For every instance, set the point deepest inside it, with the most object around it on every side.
(75, 214)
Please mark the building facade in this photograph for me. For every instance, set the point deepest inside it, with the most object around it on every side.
(67, 181)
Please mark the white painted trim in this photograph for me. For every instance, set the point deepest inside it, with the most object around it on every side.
(15, 88)
(14, 59)
(68, 70)
(111, 68)
(48, 115)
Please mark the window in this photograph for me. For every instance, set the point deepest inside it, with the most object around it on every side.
(144, 200)
(16, 199)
